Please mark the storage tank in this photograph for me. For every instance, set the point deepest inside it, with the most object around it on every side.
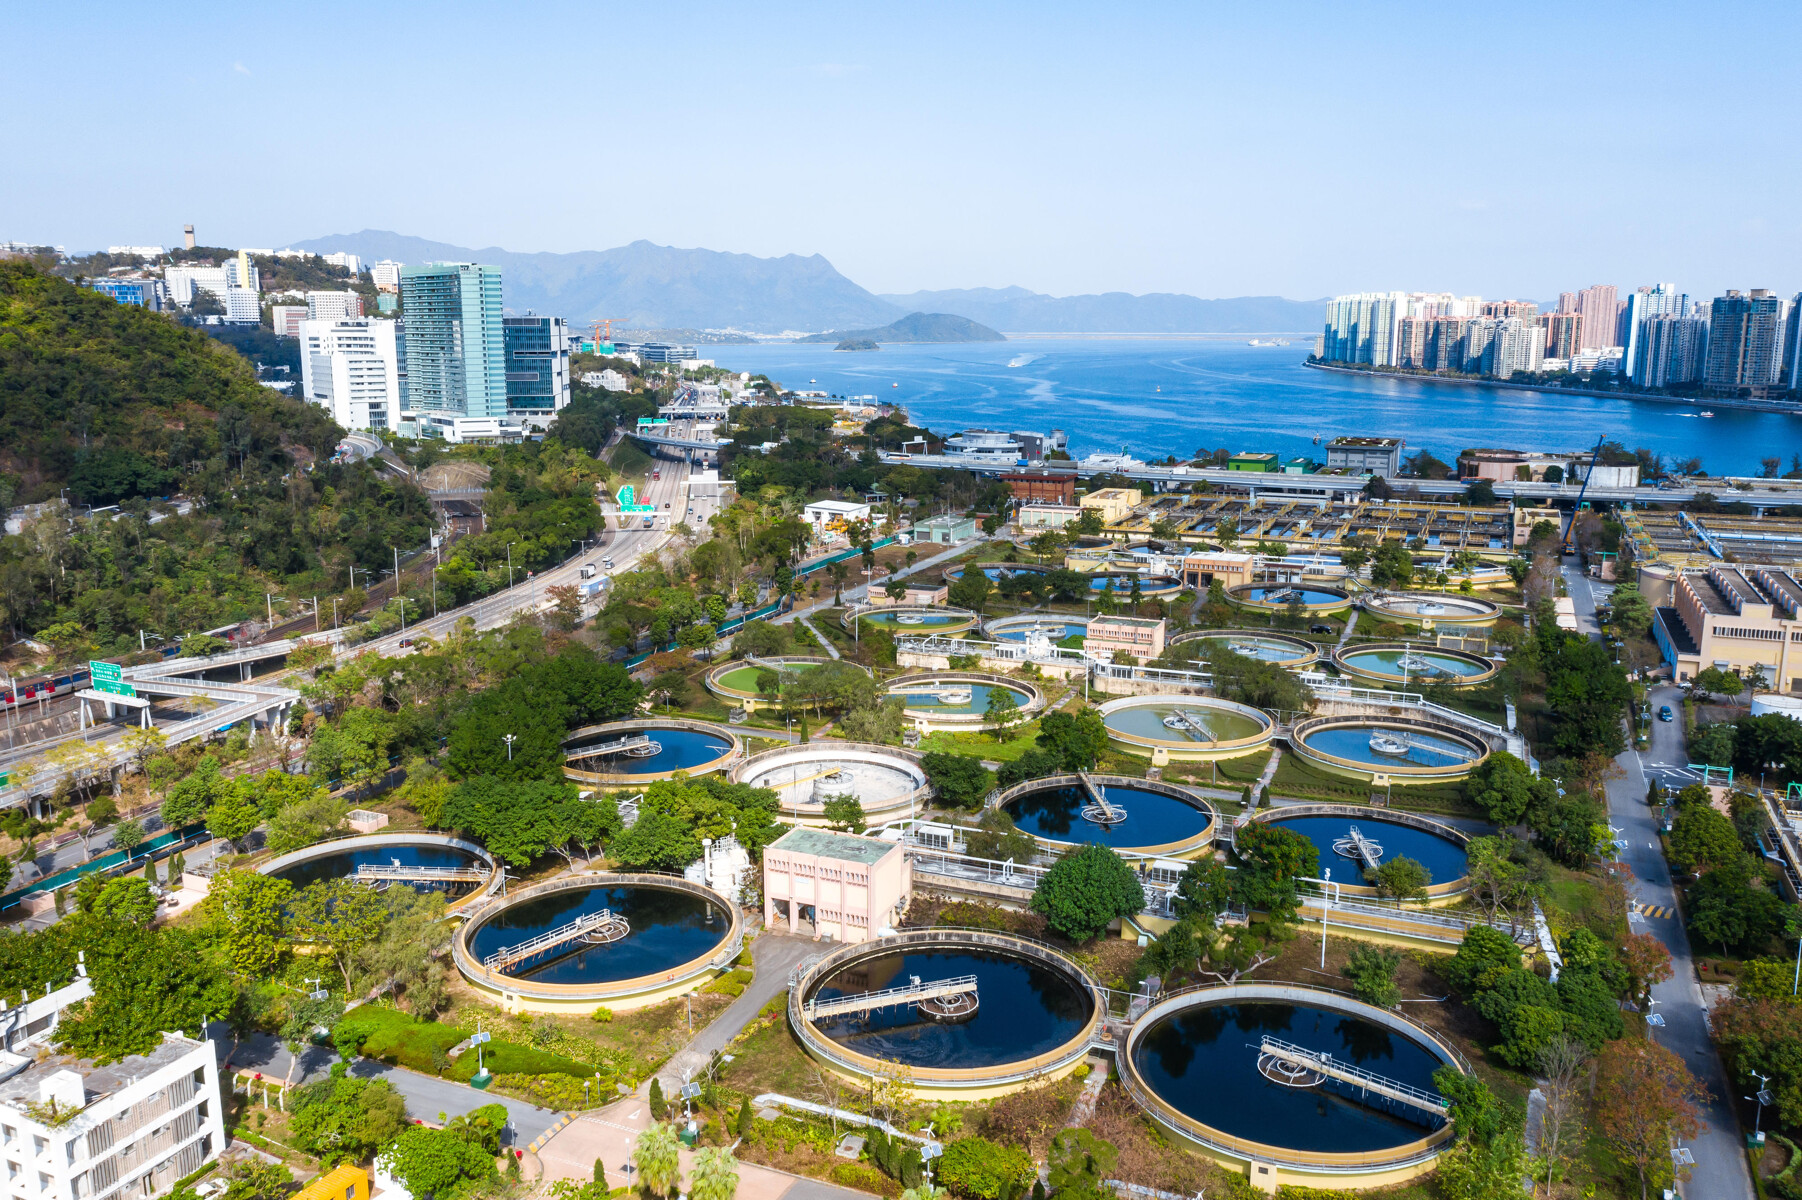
(1771, 702)
(1656, 583)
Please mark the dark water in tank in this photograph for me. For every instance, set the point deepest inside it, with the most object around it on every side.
(339, 866)
(669, 928)
(683, 749)
(1152, 819)
(1443, 859)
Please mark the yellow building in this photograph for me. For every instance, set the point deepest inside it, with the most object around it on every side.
(1739, 618)
(348, 1182)
(1114, 504)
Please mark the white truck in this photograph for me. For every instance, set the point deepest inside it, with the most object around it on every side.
(589, 570)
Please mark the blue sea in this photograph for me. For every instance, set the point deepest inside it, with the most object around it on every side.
(1174, 396)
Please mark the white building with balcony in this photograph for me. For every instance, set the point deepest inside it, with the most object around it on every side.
(352, 369)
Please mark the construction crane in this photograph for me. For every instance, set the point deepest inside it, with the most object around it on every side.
(595, 335)
(1564, 542)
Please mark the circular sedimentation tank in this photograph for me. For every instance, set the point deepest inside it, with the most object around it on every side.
(1389, 835)
(1099, 581)
(889, 783)
(1405, 749)
(1059, 630)
(629, 752)
(1437, 608)
(1143, 816)
(1191, 728)
(1401, 663)
(959, 699)
(620, 940)
(1284, 651)
(460, 869)
(916, 619)
(1236, 1070)
(859, 1011)
(1316, 600)
(737, 680)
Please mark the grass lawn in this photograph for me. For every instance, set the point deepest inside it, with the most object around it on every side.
(974, 744)
(767, 1057)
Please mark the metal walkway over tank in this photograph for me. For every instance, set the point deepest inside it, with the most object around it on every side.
(1355, 845)
(394, 872)
(1298, 1066)
(638, 745)
(913, 992)
(595, 929)
(1100, 810)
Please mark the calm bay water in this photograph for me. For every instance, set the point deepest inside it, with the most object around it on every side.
(1161, 397)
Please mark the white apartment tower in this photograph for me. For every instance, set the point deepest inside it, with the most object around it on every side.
(351, 367)
(333, 306)
(386, 275)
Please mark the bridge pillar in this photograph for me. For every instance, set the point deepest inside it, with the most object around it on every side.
(244, 671)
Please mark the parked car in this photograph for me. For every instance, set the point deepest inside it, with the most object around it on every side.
(1665, 713)
(1320, 629)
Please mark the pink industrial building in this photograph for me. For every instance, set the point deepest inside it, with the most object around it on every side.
(834, 885)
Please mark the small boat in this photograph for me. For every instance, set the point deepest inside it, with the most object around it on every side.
(1706, 413)
(894, 385)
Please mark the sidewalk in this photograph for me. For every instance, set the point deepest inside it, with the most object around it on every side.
(772, 955)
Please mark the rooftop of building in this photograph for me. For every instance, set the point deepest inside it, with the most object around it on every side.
(837, 505)
(98, 1082)
(1254, 456)
(946, 519)
(1115, 493)
(1375, 443)
(823, 843)
(1125, 622)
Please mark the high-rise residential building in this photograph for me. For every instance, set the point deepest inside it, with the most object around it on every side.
(1361, 328)
(386, 275)
(1656, 300)
(1792, 344)
(1412, 339)
(1745, 343)
(1445, 344)
(1526, 310)
(1567, 302)
(1478, 333)
(1670, 350)
(285, 319)
(1515, 344)
(1600, 308)
(352, 368)
(456, 349)
(333, 306)
(1563, 333)
(537, 368)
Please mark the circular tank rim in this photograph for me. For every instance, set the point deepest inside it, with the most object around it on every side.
(735, 748)
(1487, 611)
(723, 952)
(963, 619)
(1299, 732)
(1367, 1162)
(1435, 891)
(1342, 653)
(1176, 849)
(713, 678)
(743, 769)
(1309, 651)
(1266, 726)
(1235, 595)
(1001, 625)
(1171, 585)
(1018, 1071)
(1035, 697)
(371, 841)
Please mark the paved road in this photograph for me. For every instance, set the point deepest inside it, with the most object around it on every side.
(772, 955)
(1720, 1172)
(426, 1096)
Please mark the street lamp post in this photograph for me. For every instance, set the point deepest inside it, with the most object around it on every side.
(1327, 900)
(510, 546)
(509, 739)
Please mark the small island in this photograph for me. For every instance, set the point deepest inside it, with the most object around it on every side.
(914, 327)
(857, 344)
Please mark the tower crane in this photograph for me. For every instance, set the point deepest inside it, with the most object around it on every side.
(597, 336)
(1565, 544)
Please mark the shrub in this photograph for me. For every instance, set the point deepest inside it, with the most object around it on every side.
(603, 1015)
(980, 1169)
(861, 1177)
(548, 1091)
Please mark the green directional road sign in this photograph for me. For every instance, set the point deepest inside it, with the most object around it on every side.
(107, 677)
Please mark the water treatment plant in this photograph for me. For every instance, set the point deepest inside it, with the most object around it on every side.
(916, 619)
(1293, 1084)
(576, 942)
(1414, 749)
(1135, 816)
(1291, 653)
(619, 753)
(757, 682)
(1351, 840)
(966, 1014)
(1315, 600)
(458, 868)
(1055, 628)
(887, 782)
(960, 699)
(1432, 609)
(1191, 728)
(1413, 666)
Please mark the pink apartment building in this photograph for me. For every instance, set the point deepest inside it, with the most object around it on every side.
(834, 885)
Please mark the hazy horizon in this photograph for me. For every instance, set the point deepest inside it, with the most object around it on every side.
(1293, 151)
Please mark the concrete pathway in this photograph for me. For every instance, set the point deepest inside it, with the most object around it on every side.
(1351, 623)
(823, 639)
(773, 954)
(1263, 783)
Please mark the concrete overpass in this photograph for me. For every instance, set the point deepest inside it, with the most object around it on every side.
(1762, 493)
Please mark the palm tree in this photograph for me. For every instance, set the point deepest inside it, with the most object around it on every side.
(657, 1157)
(714, 1175)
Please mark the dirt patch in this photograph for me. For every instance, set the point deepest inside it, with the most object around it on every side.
(454, 474)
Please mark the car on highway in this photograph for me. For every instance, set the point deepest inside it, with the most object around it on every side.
(666, 504)
(1665, 713)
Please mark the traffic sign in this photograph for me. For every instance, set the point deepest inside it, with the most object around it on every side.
(105, 672)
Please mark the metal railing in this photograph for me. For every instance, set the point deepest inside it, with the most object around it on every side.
(910, 993)
(1325, 1064)
(584, 928)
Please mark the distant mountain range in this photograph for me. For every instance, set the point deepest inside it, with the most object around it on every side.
(1019, 311)
(647, 286)
(916, 327)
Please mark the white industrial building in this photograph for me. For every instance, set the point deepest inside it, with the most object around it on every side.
(350, 262)
(352, 368)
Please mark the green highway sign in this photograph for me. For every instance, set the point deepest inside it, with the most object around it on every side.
(105, 672)
(116, 689)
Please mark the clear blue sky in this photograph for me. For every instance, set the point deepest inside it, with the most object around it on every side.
(1232, 149)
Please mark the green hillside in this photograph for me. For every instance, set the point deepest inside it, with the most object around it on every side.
(121, 406)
